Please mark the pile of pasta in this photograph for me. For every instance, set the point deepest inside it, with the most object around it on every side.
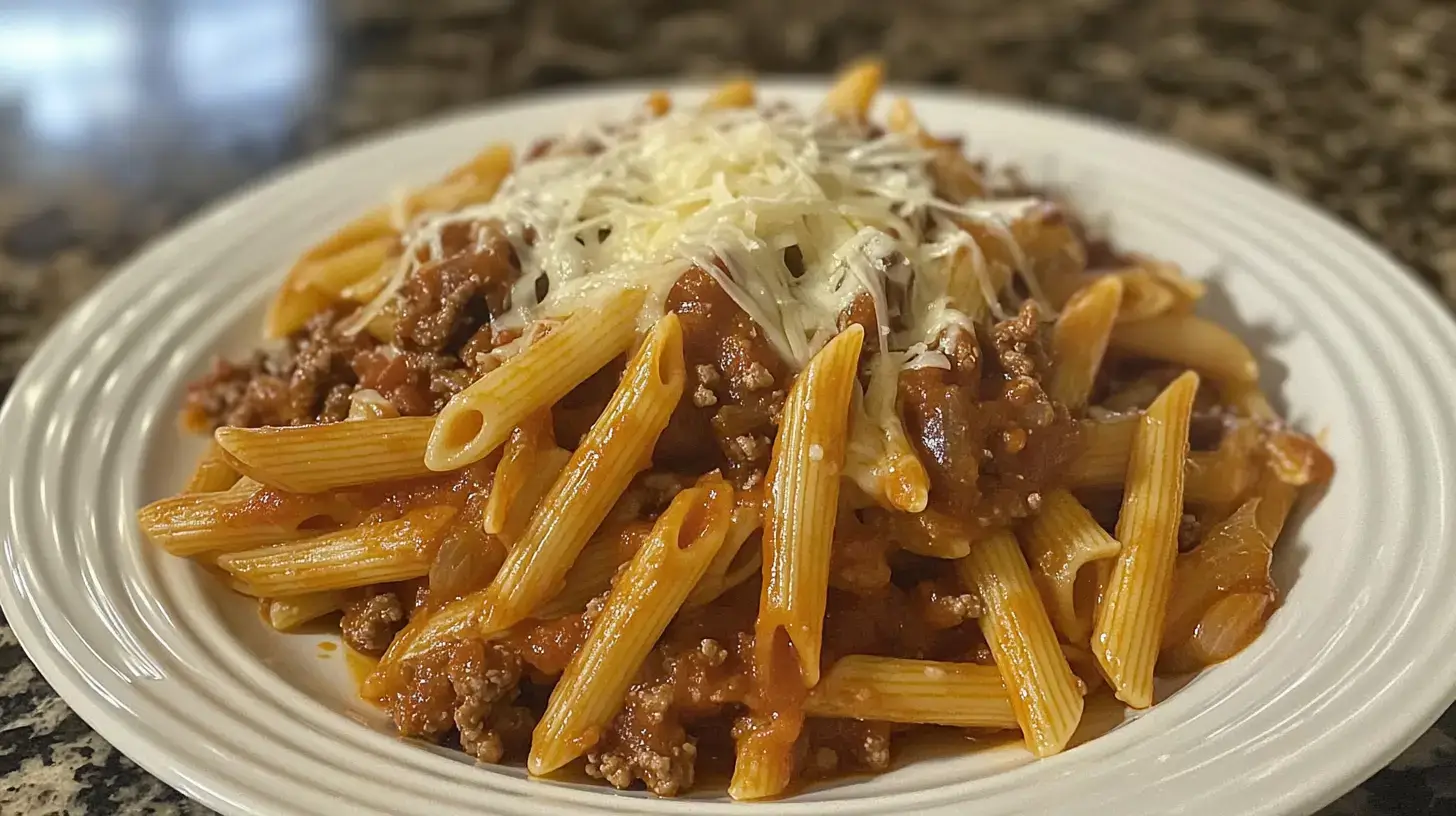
(506, 526)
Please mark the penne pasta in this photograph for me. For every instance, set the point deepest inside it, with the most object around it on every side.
(1080, 339)
(737, 93)
(1212, 478)
(591, 575)
(1133, 609)
(315, 458)
(213, 473)
(737, 560)
(334, 275)
(803, 488)
(1192, 341)
(890, 689)
(373, 553)
(854, 91)
(287, 614)
(529, 465)
(645, 598)
(598, 473)
(233, 520)
(1059, 541)
(478, 419)
(1045, 695)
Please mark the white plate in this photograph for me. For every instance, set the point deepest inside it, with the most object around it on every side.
(188, 682)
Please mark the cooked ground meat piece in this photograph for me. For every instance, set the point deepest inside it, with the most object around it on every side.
(645, 741)
(484, 677)
(415, 383)
(833, 746)
(309, 379)
(735, 383)
(371, 622)
(447, 299)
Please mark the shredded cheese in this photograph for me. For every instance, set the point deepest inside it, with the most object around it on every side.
(728, 191)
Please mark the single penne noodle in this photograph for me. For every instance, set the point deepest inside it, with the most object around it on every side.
(897, 690)
(591, 574)
(643, 600)
(335, 274)
(764, 739)
(374, 553)
(1212, 478)
(854, 91)
(237, 519)
(315, 458)
(737, 93)
(478, 419)
(291, 309)
(1130, 617)
(727, 569)
(287, 614)
(1045, 694)
(762, 767)
(1191, 341)
(803, 486)
(213, 473)
(484, 173)
(1080, 339)
(610, 454)
(530, 463)
(1059, 541)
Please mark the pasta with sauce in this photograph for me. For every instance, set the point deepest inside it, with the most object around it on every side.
(733, 430)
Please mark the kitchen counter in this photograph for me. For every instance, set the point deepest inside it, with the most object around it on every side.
(120, 119)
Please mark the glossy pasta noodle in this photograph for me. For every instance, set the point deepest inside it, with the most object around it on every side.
(733, 430)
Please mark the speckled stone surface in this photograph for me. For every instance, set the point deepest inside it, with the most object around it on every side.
(1348, 103)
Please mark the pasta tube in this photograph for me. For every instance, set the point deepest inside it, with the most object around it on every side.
(1061, 540)
(477, 420)
(897, 690)
(287, 614)
(645, 598)
(235, 519)
(368, 554)
(1046, 696)
(803, 483)
(212, 473)
(1080, 340)
(1192, 341)
(1134, 606)
(315, 458)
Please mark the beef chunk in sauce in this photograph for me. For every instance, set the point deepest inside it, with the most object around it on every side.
(308, 380)
(447, 299)
(988, 433)
(735, 384)
(371, 622)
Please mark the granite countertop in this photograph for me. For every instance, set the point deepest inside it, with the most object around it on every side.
(135, 114)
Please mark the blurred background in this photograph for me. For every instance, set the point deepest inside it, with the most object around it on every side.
(120, 118)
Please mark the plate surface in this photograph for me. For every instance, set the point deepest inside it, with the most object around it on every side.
(189, 682)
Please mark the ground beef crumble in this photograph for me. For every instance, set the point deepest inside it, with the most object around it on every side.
(371, 622)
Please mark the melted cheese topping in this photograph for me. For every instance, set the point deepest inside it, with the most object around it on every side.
(729, 191)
